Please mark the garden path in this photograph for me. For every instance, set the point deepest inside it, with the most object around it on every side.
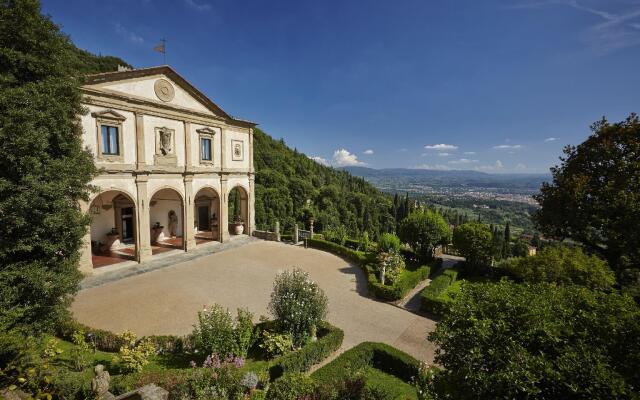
(166, 300)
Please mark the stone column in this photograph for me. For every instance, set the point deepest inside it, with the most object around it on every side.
(224, 209)
(223, 149)
(295, 234)
(143, 231)
(189, 234)
(188, 162)
(251, 205)
(277, 231)
(251, 150)
(85, 265)
(141, 156)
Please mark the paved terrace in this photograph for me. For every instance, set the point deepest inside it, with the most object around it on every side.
(164, 296)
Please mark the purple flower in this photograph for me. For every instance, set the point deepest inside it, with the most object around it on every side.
(239, 362)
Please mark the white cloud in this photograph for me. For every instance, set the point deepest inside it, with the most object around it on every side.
(439, 167)
(127, 34)
(469, 153)
(488, 168)
(343, 158)
(441, 146)
(444, 154)
(521, 166)
(508, 147)
(198, 6)
(551, 139)
(463, 161)
(320, 160)
(369, 152)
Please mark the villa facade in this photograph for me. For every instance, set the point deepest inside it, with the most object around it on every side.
(172, 164)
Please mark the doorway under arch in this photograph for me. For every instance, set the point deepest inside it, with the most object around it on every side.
(238, 211)
(166, 218)
(113, 228)
(206, 215)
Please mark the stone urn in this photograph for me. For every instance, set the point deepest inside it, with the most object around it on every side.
(237, 228)
(112, 241)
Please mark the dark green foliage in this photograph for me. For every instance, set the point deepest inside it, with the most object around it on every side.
(292, 386)
(44, 170)
(474, 241)
(369, 354)
(431, 297)
(359, 257)
(563, 265)
(329, 340)
(286, 179)
(423, 231)
(388, 242)
(594, 198)
(507, 340)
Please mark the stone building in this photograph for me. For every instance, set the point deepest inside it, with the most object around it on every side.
(171, 165)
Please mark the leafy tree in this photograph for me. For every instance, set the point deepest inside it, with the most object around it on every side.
(388, 243)
(564, 265)
(595, 194)
(520, 341)
(44, 170)
(474, 242)
(423, 231)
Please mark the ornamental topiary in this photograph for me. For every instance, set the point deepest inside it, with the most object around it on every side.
(298, 304)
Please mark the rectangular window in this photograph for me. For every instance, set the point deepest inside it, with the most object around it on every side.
(110, 140)
(205, 149)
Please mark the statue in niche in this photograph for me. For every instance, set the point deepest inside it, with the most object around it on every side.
(165, 141)
(173, 223)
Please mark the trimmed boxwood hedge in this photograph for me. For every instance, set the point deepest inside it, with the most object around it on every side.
(431, 297)
(369, 354)
(329, 340)
(406, 281)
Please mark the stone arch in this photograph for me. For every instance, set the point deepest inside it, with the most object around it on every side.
(114, 227)
(207, 214)
(238, 209)
(166, 219)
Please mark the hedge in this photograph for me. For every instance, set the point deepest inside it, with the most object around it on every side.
(329, 340)
(407, 280)
(110, 342)
(369, 354)
(431, 297)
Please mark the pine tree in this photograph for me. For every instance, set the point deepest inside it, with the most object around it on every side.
(44, 170)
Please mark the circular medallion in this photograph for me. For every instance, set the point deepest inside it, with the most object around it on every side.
(164, 90)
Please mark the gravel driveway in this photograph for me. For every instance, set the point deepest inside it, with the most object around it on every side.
(165, 301)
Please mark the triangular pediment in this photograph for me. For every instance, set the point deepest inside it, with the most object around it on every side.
(157, 85)
(109, 114)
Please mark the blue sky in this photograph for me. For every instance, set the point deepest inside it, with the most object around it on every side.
(492, 85)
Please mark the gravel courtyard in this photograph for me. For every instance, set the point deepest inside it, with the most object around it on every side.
(165, 301)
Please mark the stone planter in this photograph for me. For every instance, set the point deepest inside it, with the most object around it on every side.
(113, 241)
(236, 228)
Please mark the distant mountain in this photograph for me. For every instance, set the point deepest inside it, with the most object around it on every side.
(397, 178)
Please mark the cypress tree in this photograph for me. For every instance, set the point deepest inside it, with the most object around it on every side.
(44, 170)
(506, 251)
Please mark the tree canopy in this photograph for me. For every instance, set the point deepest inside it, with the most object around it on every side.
(423, 230)
(513, 341)
(474, 241)
(595, 194)
(44, 170)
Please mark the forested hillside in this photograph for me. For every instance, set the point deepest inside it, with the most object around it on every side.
(291, 187)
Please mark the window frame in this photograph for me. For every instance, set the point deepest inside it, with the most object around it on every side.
(109, 118)
(209, 134)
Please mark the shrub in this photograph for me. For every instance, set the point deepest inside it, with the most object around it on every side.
(291, 386)
(364, 241)
(298, 304)
(133, 354)
(474, 241)
(388, 242)
(217, 379)
(509, 340)
(218, 333)
(329, 340)
(563, 265)
(275, 344)
(337, 234)
(80, 352)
